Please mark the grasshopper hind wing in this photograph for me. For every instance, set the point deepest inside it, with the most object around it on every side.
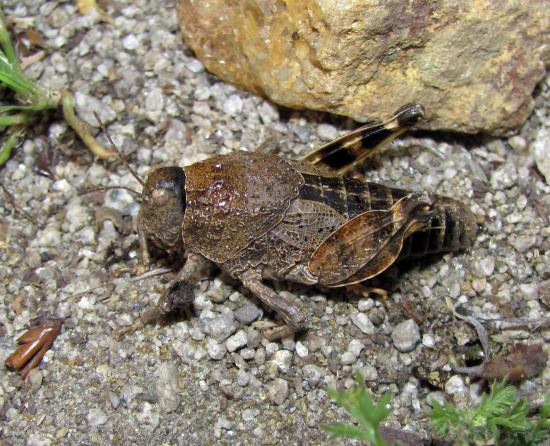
(368, 244)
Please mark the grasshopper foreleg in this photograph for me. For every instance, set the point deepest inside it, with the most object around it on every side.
(179, 294)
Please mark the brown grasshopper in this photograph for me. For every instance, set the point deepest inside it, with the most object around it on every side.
(258, 216)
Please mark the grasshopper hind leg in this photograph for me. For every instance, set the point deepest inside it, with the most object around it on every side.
(344, 153)
(292, 315)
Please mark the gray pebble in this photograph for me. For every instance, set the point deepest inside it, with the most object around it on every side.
(369, 372)
(282, 359)
(405, 336)
(149, 416)
(484, 267)
(130, 42)
(236, 341)
(271, 348)
(166, 386)
(114, 399)
(301, 349)
(362, 321)
(541, 151)
(312, 373)
(219, 326)
(86, 106)
(233, 105)
(34, 380)
(248, 313)
(327, 132)
(523, 243)
(277, 391)
(455, 386)
(355, 346)
(365, 304)
(195, 66)
(196, 334)
(259, 357)
(348, 358)
(96, 417)
(243, 378)
(250, 414)
(247, 353)
(215, 349)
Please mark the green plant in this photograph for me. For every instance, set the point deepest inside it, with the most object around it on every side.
(30, 100)
(358, 402)
(501, 418)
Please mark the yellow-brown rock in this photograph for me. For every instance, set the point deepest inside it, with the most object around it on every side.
(473, 64)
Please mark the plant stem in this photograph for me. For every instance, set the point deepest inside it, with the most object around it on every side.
(81, 128)
(7, 147)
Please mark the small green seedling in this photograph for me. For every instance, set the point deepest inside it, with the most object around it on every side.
(31, 100)
(359, 403)
(501, 418)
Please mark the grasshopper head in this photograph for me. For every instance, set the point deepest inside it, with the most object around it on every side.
(163, 207)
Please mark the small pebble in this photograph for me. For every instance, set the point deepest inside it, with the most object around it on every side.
(248, 313)
(327, 132)
(362, 321)
(348, 358)
(405, 336)
(236, 341)
(149, 416)
(312, 373)
(247, 353)
(166, 385)
(233, 105)
(355, 346)
(277, 391)
(271, 348)
(243, 378)
(428, 341)
(301, 349)
(484, 267)
(96, 417)
(130, 42)
(34, 380)
(282, 359)
(455, 386)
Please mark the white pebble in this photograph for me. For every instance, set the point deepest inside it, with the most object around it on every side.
(348, 358)
(327, 132)
(428, 341)
(362, 321)
(236, 341)
(130, 42)
(301, 350)
(233, 105)
(96, 417)
(282, 359)
(405, 336)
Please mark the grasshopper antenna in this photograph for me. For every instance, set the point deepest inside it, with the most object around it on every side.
(103, 188)
(120, 155)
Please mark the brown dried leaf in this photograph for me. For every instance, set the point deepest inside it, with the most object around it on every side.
(524, 361)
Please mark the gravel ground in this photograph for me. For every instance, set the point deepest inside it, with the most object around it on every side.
(210, 378)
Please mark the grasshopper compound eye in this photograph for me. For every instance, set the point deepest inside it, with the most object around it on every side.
(160, 197)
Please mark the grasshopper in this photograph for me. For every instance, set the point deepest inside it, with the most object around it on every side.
(258, 216)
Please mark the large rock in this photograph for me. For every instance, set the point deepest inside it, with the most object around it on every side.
(472, 64)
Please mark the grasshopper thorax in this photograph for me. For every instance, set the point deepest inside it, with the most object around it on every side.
(163, 208)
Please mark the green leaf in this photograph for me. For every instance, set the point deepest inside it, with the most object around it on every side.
(7, 147)
(358, 402)
(346, 430)
(15, 80)
(5, 41)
